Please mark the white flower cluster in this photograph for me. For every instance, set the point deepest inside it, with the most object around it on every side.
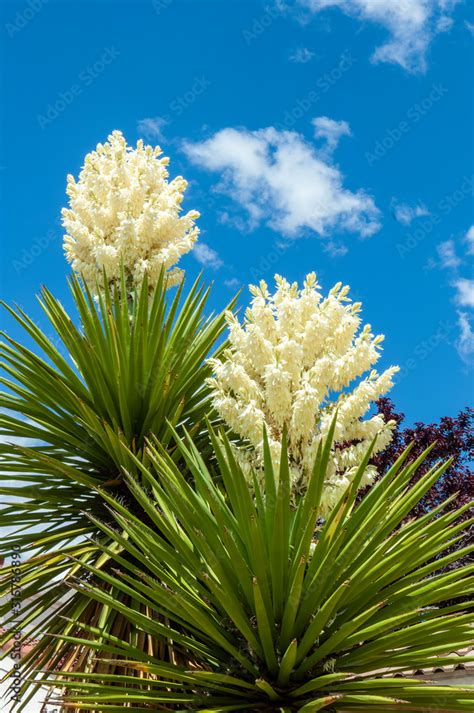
(290, 364)
(123, 211)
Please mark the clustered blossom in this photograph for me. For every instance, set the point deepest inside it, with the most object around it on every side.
(124, 211)
(296, 359)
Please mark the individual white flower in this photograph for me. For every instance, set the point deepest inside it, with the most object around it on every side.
(295, 359)
(124, 211)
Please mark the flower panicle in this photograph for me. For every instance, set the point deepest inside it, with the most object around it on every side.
(296, 358)
(124, 212)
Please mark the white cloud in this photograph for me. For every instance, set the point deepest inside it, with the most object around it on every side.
(406, 214)
(447, 255)
(301, 55)
(465, 343)
(412, 25)
(330, 130)
(465, 292)
(152, 128)
(469, 239)
(232, 282)
(207, 256)
(469, 26)
(464, 288)
(282, 181)
(335, 249)
(444, 23)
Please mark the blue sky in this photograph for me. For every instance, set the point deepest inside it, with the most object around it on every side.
(317, 135)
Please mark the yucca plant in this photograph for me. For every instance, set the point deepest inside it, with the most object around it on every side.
(272, 608)
(124, 370)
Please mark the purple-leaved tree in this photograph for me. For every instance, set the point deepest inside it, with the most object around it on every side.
(454, 438)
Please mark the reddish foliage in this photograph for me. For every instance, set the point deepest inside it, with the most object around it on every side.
(454, 439)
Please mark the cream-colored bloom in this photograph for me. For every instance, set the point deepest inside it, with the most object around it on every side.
(297, 358)
(123, 210)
